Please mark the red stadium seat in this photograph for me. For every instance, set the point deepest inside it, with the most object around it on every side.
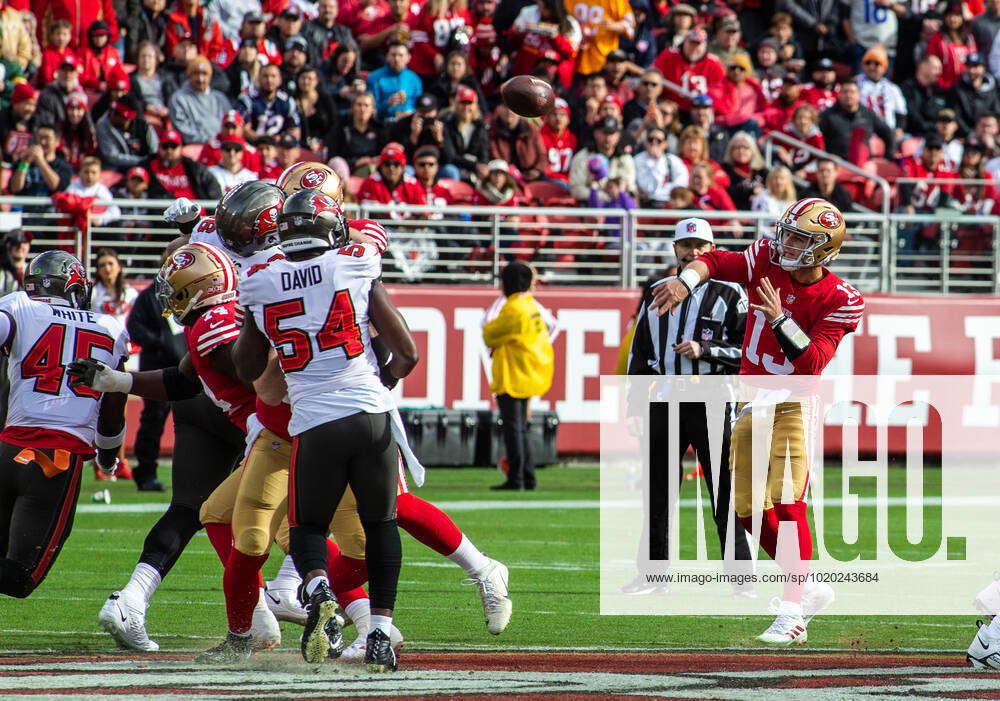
(873, 196)
(882, 168)
(541, 191)
(461, 192)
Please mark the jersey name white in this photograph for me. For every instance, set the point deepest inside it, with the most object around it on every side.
(46, 339)
(315, 314)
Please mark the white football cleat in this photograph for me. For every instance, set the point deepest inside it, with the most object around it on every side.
(125, 621)
(815, 599)
(984, 652)
(265, 632)
(355, 652)
(789, 628)
(284, 604)
(492, 585)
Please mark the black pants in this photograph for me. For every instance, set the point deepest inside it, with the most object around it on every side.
(693, 431)
(207, 447)
(514, 413)
(148, 437)
(357, 450)
(36, 514)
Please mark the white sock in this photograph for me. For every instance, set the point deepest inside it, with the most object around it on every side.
(790, 608)
(359, 611)
(382, 623)
(313, 583)
(995, 627)
(144, 582)
(288, 576)
(468, 557)
(261, 600)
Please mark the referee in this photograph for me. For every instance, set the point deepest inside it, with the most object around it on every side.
(703, 337)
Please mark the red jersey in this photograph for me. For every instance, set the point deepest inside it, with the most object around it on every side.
(211, 154)
(740, 102)
(926, 195)
(978, 199)
(429, 37)
(715, 198)
(825, 310)
(213, 329)
(800, 157)
(407, 191)
(370, 23)
(779, 114)
(174, 179)
(820, 98)
(51, 60)
(95, 67)
(270, 171)
(703, 77)
(721, 177)
(559, 149)
(211, 43)
(952, 55)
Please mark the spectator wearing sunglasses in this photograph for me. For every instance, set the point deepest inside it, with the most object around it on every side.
(646, 93)
(744, 104)
(172, 176)
(878, 93)
(657, 172)
(230, 171)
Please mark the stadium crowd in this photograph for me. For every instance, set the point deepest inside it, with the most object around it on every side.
(660, 105)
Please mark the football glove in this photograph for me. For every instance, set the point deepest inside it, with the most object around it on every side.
(96, 375)
(183, 211)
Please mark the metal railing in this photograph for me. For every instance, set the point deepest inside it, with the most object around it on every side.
(941, 252)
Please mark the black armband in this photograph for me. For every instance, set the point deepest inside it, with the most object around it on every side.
(178, 385)
(792, 339)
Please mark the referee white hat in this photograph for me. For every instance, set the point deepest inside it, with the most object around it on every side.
(693, 229)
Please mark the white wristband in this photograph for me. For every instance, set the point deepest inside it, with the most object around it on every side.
(110, 442)
(109, 380)
(690, 278)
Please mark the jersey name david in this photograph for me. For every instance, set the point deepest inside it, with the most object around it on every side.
(826, 311)
(315, 314)
(47, 338)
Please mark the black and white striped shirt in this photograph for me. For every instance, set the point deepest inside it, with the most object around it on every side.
(714, 315)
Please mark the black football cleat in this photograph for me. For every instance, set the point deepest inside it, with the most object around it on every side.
(235, 648)
(320, 608)
(379, 656)
(336, 637)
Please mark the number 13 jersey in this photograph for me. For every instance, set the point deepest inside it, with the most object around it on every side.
(825, 310)
(315, 314)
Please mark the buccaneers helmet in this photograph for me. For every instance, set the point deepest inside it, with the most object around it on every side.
(311, 175)
(58, 274)
(247, 217)
(818, 221)
(311, 219)
(196, 275)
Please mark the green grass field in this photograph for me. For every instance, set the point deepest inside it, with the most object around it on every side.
(552, 554)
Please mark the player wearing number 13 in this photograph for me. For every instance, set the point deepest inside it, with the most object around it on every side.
(313, 307)
(800, 311)
(51, 424)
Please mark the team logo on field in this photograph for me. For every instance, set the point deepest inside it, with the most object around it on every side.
(313, 177)
(182, 260)
(267, 220)
(830, 219)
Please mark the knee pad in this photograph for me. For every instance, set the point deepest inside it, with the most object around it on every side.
(253, 541)
(15, 579)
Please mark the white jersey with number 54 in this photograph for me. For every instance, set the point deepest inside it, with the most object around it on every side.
(315, 314)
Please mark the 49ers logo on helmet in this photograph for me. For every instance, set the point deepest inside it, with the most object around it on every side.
(181, 260)
(830, 219)
(267, 220)
(313, 178)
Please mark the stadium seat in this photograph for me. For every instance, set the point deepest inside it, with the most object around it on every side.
(110, 178)
(192, 151)
(541, 191)
(872, 197)
(461, 192)
(882, 168)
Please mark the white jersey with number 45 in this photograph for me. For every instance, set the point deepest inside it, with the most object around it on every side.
(42, 406)
(315, 314)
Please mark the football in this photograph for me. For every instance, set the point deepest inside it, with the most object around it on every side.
(528, 96)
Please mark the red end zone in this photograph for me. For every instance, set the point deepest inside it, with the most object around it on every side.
(537, 675)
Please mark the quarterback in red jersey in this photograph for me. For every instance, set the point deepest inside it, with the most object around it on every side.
(800, 311)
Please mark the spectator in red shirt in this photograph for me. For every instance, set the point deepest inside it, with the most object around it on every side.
(79, 138)
(783, 107)
(56, 49)
(952, 45)
(822, 92)
(173, 176)
(692, 147)
(804, 127)
(434, 32)
(692, 69)
(188, 16)
(18, 123)
(426, 163)
(616, 76)
(486, 54)
(742, 104)
(375, 29)
(267, 151)
(976, 199)
(211, 152)
(924, 195)
(708, 195)
(389, 184)
(99, 57)
(560, 143)
(539, 34)
(78, 13)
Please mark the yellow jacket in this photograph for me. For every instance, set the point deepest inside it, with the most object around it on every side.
(522, 354)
